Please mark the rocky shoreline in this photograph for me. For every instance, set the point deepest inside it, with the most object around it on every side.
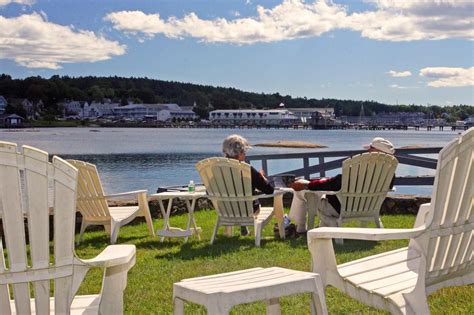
(393, 204)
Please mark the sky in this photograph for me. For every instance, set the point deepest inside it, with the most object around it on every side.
(390, 51)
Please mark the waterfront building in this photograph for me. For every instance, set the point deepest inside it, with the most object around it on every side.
(32, 109)
(3, 104)
(169, 115)
(14, 121)
(469, 121)
(95, 110)
(73, 108)
(355, 120)
(253, 117)
(401, 118)
(306, 114)
(142, 111)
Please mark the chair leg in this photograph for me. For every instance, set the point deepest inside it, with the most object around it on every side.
(378, 223)
(145, 211)
(258, 232)
(115, 228)
(107, 229)
(214, 234)
(229, 231)
(178, 308)
(311, 216)
(84, 226)
(273, 307)
(318, 299)
(339, 241)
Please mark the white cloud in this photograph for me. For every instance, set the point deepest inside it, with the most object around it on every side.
(402, 87)
(396, 86)
(33, 42)
(399, 74)
(290, 20)
(415, 20)
(390, 20)
(449, 77)
(24, 2)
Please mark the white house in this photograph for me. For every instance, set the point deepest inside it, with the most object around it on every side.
(73, 108)
(32, 110)
(167, 115)
(253, 116)
(140, 111)
(95, 110)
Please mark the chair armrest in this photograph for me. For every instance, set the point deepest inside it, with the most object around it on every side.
(275, 193)
(112, 255)
(369, 234)
(128, 193)
(422, 214)
(116, 261)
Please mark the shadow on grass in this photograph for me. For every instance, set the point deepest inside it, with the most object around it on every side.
(351, 246)
(203, 249)
(176, 248)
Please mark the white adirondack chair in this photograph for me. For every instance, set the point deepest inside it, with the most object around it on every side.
(440, 252)
(229, 186)
(92, 203)
(366, 181)
(24, 180)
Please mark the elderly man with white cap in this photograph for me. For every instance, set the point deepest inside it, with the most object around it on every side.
(328, 213)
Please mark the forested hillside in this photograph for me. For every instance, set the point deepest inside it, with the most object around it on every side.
(143, 90)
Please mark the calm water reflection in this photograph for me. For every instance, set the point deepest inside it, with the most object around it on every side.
(138, 158)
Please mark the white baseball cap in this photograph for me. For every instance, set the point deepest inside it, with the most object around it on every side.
(381, 144)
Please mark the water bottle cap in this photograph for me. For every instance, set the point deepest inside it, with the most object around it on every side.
(191, 181)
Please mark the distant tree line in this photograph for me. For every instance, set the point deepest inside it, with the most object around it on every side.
(144, 90)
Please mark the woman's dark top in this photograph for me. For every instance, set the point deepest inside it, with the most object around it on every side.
(332, 184)
(259, 185)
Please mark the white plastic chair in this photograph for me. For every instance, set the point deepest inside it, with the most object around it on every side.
(366, 181)
(229, 186)
(440, 252)
(92, 203)
(24, 179)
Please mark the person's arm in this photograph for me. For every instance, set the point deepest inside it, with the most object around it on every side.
(260, 182)
(329, 183)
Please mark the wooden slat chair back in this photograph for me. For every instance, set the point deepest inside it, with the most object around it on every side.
(441, 249)
(27, 194)
(229, 186)
(27, 272)
(92, 203)
(449, 238)
(91, 200)
(366, 181)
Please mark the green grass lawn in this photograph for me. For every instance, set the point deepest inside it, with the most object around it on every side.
(159, 265)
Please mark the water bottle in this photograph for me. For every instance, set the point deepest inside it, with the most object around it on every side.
(286, 220)
(191, 187)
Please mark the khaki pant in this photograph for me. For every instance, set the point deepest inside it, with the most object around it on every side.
(299, 210)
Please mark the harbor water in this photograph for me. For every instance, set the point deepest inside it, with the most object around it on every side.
(147, 158)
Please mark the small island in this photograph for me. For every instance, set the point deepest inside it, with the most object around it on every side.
(291, 144)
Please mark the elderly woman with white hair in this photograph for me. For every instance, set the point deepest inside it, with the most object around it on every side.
(235, 147)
